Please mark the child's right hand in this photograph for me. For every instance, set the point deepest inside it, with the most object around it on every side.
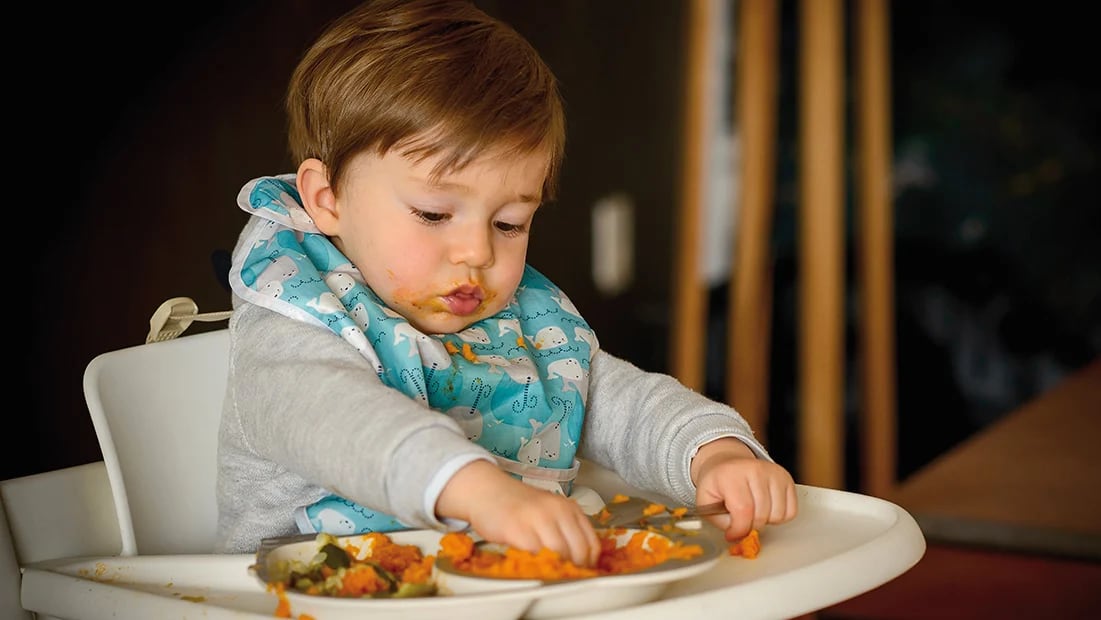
(504, 510)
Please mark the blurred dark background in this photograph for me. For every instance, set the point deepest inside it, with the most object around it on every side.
(141, 130)
(998, 269)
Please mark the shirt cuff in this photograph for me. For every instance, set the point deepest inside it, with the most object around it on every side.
(439, 481)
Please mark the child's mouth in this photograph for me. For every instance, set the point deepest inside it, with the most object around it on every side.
(464, 300)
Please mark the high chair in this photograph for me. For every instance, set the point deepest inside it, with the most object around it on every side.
(156, 409)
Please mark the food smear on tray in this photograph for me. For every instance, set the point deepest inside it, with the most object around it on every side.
(642, 549)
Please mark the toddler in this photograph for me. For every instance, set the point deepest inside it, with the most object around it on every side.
(395, 362)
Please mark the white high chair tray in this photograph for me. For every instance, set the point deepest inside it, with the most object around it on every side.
(841, 545)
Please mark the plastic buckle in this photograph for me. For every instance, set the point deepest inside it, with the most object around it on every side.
(171, 319)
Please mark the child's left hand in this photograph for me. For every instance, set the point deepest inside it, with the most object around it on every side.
(756, 492)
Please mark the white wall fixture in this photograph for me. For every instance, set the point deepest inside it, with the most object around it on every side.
(613, 243)
(722, 160)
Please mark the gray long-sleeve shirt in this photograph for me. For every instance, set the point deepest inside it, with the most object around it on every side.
(306, 415)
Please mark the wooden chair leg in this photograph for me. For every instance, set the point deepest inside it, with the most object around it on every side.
(750, 304)
(688, 326)
(875, 249)
(821, 440)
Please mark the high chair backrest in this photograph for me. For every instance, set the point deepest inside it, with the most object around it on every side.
(156, 409)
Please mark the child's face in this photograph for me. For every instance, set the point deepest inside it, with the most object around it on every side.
(444, 254)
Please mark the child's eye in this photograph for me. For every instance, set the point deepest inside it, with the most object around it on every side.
(430, 218)
(511, 230)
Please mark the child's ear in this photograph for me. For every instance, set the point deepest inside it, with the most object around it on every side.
(317, 196)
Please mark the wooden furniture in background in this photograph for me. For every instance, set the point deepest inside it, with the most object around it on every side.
(689, 318)
(821, 368)
(969, 582)
(750, 302)
(1012, 516)
(1031, 481)
(875, 264)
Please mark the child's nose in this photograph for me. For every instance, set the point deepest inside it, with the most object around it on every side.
(473, 247)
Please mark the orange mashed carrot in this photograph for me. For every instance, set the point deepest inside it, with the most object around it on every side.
(619, 498)
(640, 551)
(361, 580)
(456, 546)
(420, 572)
(747, 547)
(283, 607)
(468, 353)
(653, 509)
(388, 554)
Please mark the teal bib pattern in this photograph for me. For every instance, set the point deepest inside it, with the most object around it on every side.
(516, 382)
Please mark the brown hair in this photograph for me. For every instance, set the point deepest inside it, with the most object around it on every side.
(428, 77)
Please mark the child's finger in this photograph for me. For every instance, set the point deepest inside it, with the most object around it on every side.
(792, 507)
(762, 503)
(583, 544)
(742, 514)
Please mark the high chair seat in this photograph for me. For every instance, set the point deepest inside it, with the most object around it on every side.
(156, 409)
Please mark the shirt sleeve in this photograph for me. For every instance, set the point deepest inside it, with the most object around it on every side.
(647, 426)
(308, 402)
